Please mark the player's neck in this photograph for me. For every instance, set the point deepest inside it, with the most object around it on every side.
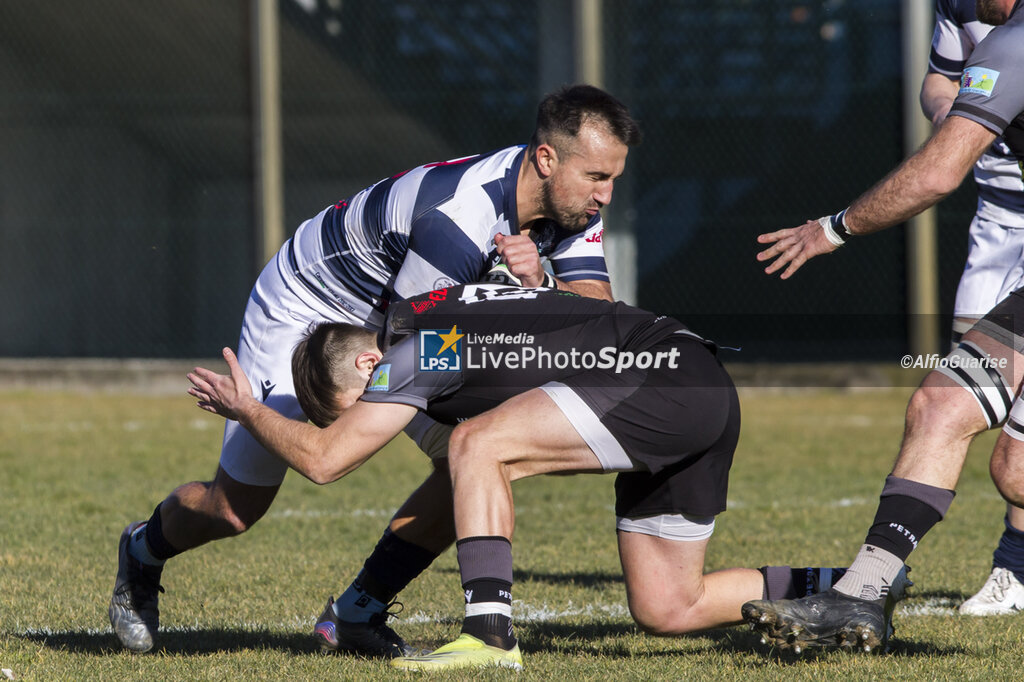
(528, 194)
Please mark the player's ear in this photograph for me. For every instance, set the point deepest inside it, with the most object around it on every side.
(546, 160)
(366, 361)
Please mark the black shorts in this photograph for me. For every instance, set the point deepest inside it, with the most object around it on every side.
(1005, 322)
(679, 427)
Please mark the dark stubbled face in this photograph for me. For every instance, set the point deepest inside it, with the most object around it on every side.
(993, 12)
(583, 180)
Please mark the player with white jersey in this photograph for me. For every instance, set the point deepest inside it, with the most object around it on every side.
(435, 225)
(995, 259)
(976, 389)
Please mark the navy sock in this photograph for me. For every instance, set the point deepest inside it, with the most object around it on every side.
(392, 565)
(1010, 552)
(158, 545)
(783, 582)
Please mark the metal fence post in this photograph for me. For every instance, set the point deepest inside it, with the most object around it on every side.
(922, 244)
(620, 238)
(267, 146)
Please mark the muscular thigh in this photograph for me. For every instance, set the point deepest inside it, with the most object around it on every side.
(651, 561)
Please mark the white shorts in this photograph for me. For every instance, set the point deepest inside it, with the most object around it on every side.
(994, 268)
(678, 527)
(277, 316)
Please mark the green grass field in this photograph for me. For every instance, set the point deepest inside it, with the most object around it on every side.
(77, 467)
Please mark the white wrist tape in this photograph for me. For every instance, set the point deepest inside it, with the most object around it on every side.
(835, 228)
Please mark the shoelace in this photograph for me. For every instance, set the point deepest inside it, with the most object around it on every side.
(1000, 586)
(379, 621)
(148, 581)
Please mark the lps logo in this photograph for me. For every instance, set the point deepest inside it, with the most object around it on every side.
(440, 350)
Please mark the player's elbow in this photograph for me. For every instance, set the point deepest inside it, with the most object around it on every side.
(322, 470)
(942, 182)
(321, 477)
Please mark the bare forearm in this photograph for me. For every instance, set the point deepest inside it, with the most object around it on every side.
(299, 444)
(588, 288)
(902, 195)
(923, 180)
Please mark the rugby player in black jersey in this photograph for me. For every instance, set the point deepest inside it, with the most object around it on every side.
(537, 382)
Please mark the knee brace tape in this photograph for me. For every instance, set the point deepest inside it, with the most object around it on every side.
(1014, 426)
(975, 371)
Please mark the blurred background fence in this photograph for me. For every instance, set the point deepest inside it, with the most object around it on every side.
(131, 194)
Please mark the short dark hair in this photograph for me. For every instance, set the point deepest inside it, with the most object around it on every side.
(322, 367)
(562, 113)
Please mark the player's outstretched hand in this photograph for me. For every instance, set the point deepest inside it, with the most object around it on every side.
(793, 247)
(220, 394)
(520, 254)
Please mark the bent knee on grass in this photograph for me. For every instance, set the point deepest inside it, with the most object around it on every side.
(665, 618)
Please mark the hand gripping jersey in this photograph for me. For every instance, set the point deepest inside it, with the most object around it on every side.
(1000, 188)
(428, 228)
(457, 352)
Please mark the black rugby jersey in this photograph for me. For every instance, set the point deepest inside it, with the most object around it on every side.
(460, 351)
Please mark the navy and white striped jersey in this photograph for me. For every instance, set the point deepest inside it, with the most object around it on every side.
(429, 228)
(997, 174)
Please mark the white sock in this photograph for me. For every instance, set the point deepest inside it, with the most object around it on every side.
(870, 574)
(138, 548)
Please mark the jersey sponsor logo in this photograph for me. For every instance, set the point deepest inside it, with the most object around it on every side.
(444, 283)
(978, 81)
(474, 293)
(596, 237)
(440, 350)
(379, 378)
(267, 387)
(420, 307)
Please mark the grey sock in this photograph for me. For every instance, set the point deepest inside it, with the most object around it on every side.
(870, 574)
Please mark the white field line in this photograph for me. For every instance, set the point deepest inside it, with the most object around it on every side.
(523, 612)
(936, 606)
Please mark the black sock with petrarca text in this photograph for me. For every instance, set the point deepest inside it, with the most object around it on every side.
(486, 567)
